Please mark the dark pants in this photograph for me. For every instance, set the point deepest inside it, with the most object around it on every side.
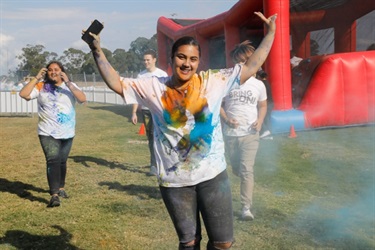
(147, 120)
(56, 152)
(213, 199)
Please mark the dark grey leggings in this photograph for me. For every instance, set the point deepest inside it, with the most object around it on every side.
(56, 152)
(212, 199)
(147, 121)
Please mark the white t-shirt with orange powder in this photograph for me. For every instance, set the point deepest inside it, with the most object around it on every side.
(188, 140)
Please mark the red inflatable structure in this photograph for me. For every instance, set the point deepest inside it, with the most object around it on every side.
(327, 90)
(341, 91)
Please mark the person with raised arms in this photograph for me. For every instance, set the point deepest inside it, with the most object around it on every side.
(188, 141)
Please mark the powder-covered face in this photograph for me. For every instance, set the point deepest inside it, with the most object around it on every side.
(185, 63)
(54, 73)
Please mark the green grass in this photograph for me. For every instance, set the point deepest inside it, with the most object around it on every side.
(315, 191)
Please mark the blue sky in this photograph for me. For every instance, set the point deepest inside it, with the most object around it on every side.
(57, 25)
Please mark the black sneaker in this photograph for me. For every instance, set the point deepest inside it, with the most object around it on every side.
(54, 202)
(63, 194)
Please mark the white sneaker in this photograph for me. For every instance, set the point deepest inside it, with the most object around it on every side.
(153, 170)
(246, 214)
(265, 133)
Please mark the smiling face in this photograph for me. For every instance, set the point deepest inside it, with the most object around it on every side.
(54, 73)
(185, 63)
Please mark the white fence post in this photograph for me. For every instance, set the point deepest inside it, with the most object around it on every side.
(11, 104)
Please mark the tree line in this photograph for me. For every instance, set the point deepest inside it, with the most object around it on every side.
(75, 61)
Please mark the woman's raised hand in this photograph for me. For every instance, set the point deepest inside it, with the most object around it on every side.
(270, 21)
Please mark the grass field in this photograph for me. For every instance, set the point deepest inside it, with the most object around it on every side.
(315, 191)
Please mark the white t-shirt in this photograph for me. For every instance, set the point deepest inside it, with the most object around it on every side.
(157, 72)
(57, 116)
(188, 140)
(242, 105)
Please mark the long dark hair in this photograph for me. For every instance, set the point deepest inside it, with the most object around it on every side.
(185, 40)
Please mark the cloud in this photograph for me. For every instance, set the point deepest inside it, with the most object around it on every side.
(5, 39)
(41, 14)
(57, 25)
(7, 59)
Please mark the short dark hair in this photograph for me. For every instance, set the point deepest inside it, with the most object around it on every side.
(185, 40)
(150, 52)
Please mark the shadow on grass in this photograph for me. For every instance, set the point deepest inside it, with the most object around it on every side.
(142, 192)
(21, 190)
(24, 240)
(86, 160)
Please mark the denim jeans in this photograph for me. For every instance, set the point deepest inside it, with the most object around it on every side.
(212, 199)
(56, 152)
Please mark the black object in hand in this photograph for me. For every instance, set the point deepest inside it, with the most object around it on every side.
(95, 28)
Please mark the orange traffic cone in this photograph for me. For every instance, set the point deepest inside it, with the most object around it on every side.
(142, 130)
(292, 133)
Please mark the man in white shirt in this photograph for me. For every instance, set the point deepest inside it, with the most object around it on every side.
(149, 60)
